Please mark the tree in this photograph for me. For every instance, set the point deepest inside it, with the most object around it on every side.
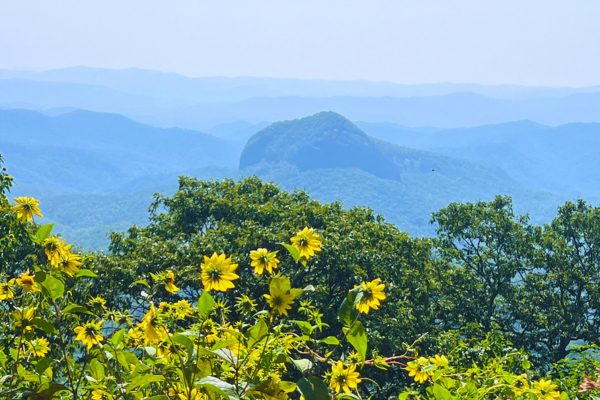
(560, 299)
(485, 250)
(230, 217)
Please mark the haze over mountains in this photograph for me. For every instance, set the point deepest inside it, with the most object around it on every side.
(92, 143)
(167, 99)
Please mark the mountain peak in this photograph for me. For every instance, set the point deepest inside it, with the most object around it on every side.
(323, 140)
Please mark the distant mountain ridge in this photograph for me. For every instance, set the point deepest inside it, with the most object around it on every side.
(454, 110)
(99, 152)
(62, 159)
(298, 154)
(168, 99)
(561, 159)
(222, 89)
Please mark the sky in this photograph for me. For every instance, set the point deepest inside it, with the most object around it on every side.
(528, 42)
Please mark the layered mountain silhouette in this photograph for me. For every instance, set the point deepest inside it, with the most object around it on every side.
(84, 151)
(104, 167)
(166, 99)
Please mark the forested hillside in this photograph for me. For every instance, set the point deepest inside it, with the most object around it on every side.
(491, 306)
(106, 167)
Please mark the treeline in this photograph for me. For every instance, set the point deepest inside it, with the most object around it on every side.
(487, 273)
(489, 284)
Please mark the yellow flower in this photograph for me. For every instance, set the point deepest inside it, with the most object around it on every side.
(90, 334)
(98, 394)
(307, 242)
(262, 259)
(245, 304)
(28, 282)
(218, 272)
(69, 262)
(416, 370)
(26, 207)
(545, 390)
(372, 293)
(521, 385)
(439, 361)
(97, 301)
(135, 334)
(55, 250)
(343, 379)
(166, 349)
(182, 309)
(153, 333)
(280, 301)
(170, 284)
(6, 290)
(39, 347)
(23, 317)
(183, 394)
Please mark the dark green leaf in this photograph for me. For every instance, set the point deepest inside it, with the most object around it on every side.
(358, 339)
(205, 304)
(313, 388)
(348, 312)
(43, 325)
(257, 333)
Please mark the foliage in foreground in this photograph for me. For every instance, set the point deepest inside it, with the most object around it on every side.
(260, 319)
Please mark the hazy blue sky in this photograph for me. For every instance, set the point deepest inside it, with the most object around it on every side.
(535, 42)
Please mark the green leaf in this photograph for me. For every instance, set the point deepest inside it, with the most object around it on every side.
(526, 364)
(357, 337)
(97, 369)
(257, 333)
(43, 365)
(226, 355)
(86, 272)
(158, 397)
(313, 388)
(141, 282)
(205, 304)
(348, 312)
(306, 327)
(287, 387)
(332, 340)
(126, 359)
(218, 386)
(117, 338)
(303, 364)
(183, 341)
(281, 284)
(225, 343)
(51, 287)
(74, 308)
(144, 380)
(43, 325)
(296, 292)
(43, 233)
(294, 252)
(347, 396)
(403, 395)
(48, 390)
(441, 393)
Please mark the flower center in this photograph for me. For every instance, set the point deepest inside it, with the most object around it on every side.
(90, 331)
